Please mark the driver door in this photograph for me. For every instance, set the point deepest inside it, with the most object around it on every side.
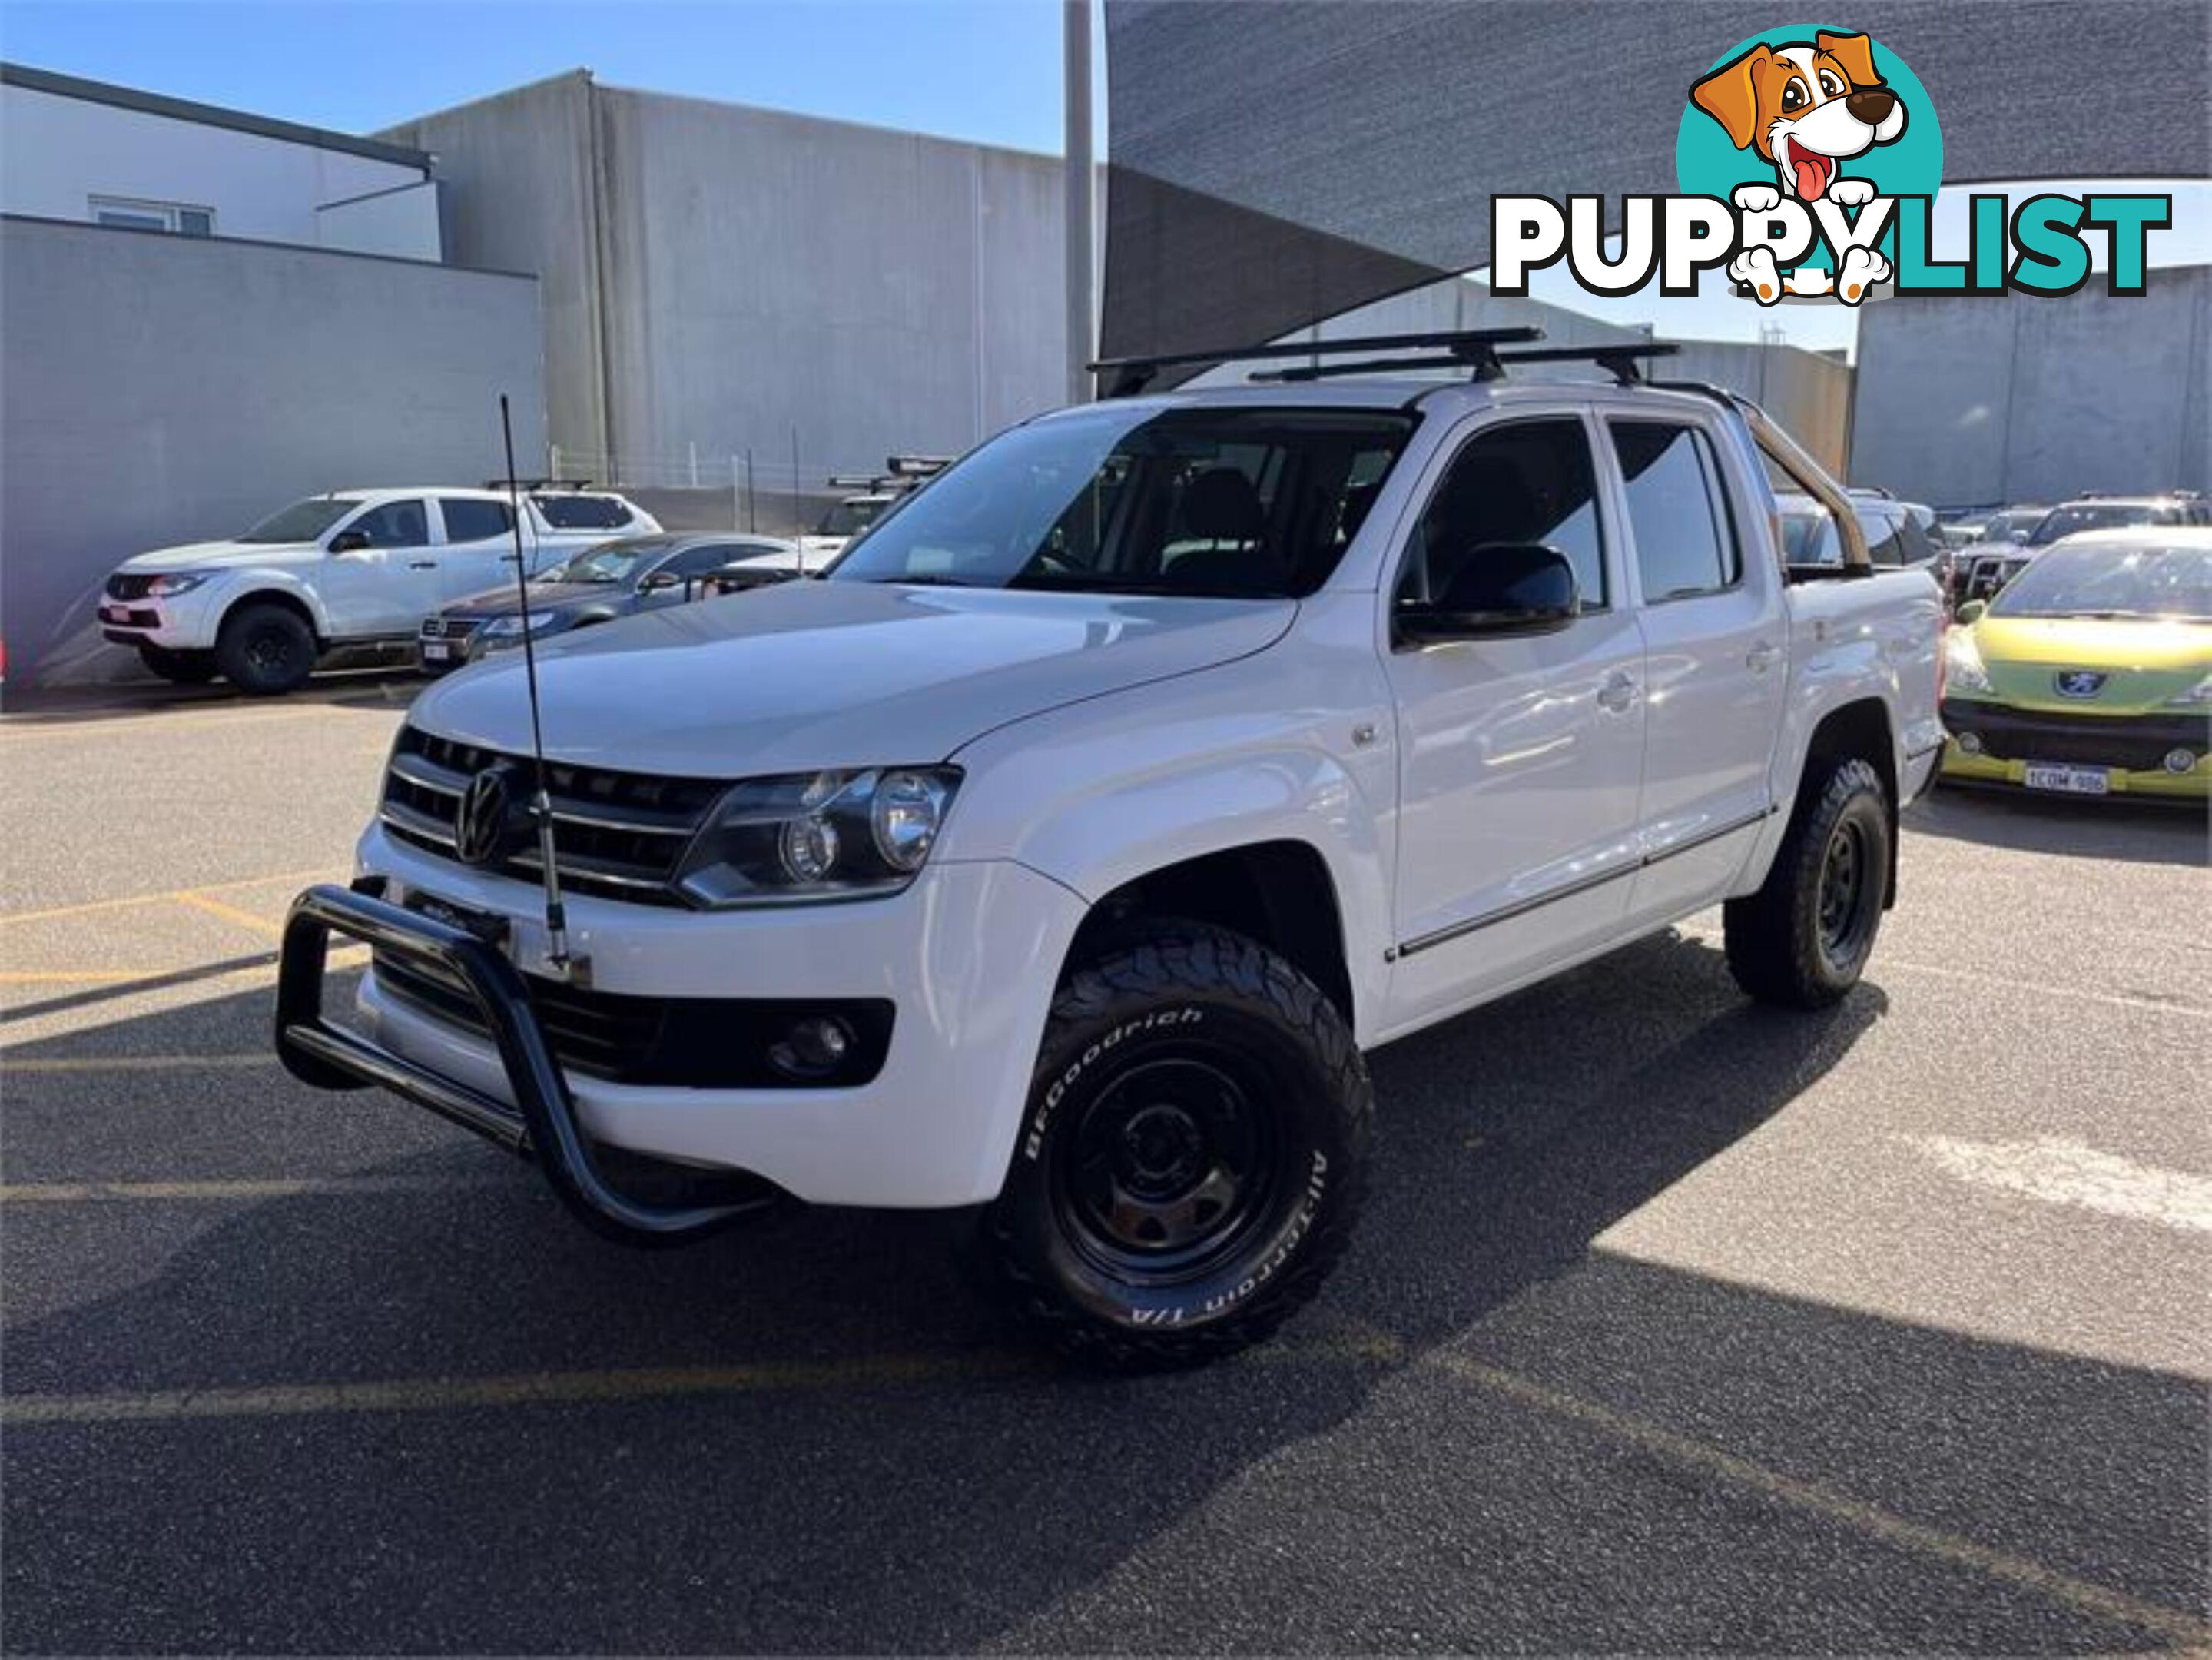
(388, 586)
(1520, 758)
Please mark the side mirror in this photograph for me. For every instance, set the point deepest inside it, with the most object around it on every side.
(350, 541)
(1500, 589)
(1970, 613)
(660, 582)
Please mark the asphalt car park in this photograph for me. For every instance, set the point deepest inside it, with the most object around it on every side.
(1673, 1323)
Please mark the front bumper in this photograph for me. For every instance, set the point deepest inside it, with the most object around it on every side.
(969, 956)
(2130, 748)
(184, 622)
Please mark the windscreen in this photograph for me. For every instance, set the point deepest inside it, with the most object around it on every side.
(610, 562)
(303, 521)
(849, 517)
(1219, 503)
(2107, 515)
(2102, 581)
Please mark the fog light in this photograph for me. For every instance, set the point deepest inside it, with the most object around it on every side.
(814, 1047)
(1970, 743)
(2180, 760)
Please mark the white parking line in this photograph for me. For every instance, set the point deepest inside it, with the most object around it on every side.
(2063, 1172)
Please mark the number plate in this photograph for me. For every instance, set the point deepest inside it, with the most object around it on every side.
(434, 651)
(2068, 781)
(492, 930)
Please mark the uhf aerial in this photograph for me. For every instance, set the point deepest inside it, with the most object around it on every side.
(541, 803)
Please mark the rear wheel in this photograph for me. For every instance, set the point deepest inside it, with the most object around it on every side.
(183, 668)
(1803, 939)
(1194, 1153)
(265, 648)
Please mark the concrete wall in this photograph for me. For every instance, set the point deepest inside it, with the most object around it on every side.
(156, 389)
(1965, 401)
(57, 153)
(717, 277)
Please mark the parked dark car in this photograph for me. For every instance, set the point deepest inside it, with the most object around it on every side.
(606, 580)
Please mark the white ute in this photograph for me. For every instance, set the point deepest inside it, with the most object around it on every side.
(1063, 850)
(356, 567)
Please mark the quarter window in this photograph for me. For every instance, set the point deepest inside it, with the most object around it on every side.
(582, 511)
(1524, 482)
(1678, 510)
(472, 519)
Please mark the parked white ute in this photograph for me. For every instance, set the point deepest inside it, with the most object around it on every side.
(351, 568)
(1063, 850)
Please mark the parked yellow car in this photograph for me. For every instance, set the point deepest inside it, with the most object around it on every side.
(2091, 672)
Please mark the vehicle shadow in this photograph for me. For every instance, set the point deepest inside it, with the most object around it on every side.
(890, 1468)
(372, 685)
(2139, 832)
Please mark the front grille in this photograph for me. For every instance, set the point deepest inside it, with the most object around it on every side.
(449, 628)
(2133, 742)
(692, 1042)
(617, 835)
(125, 586)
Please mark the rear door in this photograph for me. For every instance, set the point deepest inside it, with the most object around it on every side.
(478, 551)
(1716, 651)
(1518, 756)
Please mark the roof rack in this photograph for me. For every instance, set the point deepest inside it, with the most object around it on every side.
(1474, 349)
(900, 473)
(1617, 357)
(529, 484)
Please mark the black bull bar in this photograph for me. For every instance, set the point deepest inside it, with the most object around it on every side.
(541, 1125)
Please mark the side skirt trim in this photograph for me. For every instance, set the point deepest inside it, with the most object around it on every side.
(1523, 907)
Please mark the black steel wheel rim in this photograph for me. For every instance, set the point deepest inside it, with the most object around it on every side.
(269, 648)
(1170, 1167)
(1847, 885)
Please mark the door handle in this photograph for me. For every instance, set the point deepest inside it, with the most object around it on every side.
(1617, 693)
(1760, 658)
(422, 564)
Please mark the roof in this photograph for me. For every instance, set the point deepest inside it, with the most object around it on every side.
(209, 115)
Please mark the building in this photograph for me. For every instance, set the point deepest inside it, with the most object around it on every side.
(720, 280)
(84, 151)
(1965, 401)
(204, 314)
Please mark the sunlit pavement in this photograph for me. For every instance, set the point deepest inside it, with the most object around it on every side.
(1673, 1324)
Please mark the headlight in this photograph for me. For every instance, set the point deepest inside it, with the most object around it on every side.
(1962, 663)
(2197, 696)
(817, 835)
(177, 582)
(501, 628)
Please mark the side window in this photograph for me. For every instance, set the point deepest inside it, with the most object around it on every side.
(581, 512)
(1914, 547)
(1884, 537)
(1677, 508)
(697, 562)
(1524, 482)
(395, 525)
(472, 519)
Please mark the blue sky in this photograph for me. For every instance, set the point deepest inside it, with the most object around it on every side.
(984, 69)
(988, 70)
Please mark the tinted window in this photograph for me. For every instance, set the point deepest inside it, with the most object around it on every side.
(395, 525)
(697, 562)
(1206, 502)
(1526, 482)
(1913, 541)
(472, 519)
(1677, 509)
(1883, 531)
(2081, 516)
(582, 511)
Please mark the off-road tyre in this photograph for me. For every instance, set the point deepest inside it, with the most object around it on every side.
(179, 668)
(265, 649)
(1193, 1154)
(1802, 940)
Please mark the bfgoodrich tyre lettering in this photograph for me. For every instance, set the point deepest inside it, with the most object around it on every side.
(1194, 1152)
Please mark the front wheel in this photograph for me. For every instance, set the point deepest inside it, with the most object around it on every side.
(1803, 939)
(266, 648)
(1194, 1153)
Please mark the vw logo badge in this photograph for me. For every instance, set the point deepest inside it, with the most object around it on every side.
(480, 824)
(2078, 683)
